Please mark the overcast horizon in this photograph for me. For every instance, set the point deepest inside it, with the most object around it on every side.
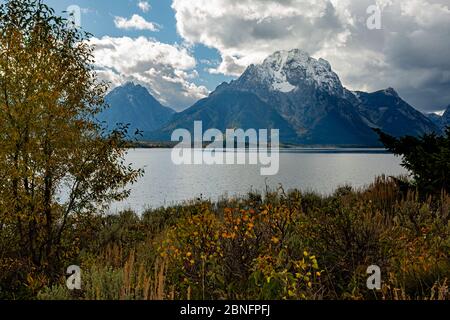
(181, 50)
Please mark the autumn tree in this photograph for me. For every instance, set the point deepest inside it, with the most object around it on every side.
(56, 162)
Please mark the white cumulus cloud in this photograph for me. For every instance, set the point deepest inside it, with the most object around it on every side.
(166, 70)
(135, 22)
(144, 6)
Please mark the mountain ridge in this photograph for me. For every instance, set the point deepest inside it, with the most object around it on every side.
(314, 106)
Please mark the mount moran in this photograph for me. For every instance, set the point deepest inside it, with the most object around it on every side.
(289, 91)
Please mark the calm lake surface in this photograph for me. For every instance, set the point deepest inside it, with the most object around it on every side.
(321, 170)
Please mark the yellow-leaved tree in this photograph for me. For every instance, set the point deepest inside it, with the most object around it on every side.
(56, 162)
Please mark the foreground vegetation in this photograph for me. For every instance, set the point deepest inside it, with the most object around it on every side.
(290, 245)
(280, 245)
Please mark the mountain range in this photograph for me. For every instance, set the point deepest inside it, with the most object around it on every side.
(442, 121)
(290, 91)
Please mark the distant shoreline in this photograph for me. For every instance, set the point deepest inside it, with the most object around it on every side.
(283, 146)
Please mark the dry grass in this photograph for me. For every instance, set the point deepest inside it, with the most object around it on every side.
(285, 245)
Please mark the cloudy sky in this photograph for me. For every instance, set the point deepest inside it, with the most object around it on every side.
(182, 49)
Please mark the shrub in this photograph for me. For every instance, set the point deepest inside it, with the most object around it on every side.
(290, 245)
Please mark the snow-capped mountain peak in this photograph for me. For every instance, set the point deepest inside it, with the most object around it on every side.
(288, 71)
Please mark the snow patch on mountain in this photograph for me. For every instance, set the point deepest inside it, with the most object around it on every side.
(280, 82)
(284, 86)
(391, 92)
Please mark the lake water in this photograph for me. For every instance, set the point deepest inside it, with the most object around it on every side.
(321, 170)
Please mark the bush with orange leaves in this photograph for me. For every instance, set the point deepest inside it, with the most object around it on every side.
(297, 245)
(241, 253)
